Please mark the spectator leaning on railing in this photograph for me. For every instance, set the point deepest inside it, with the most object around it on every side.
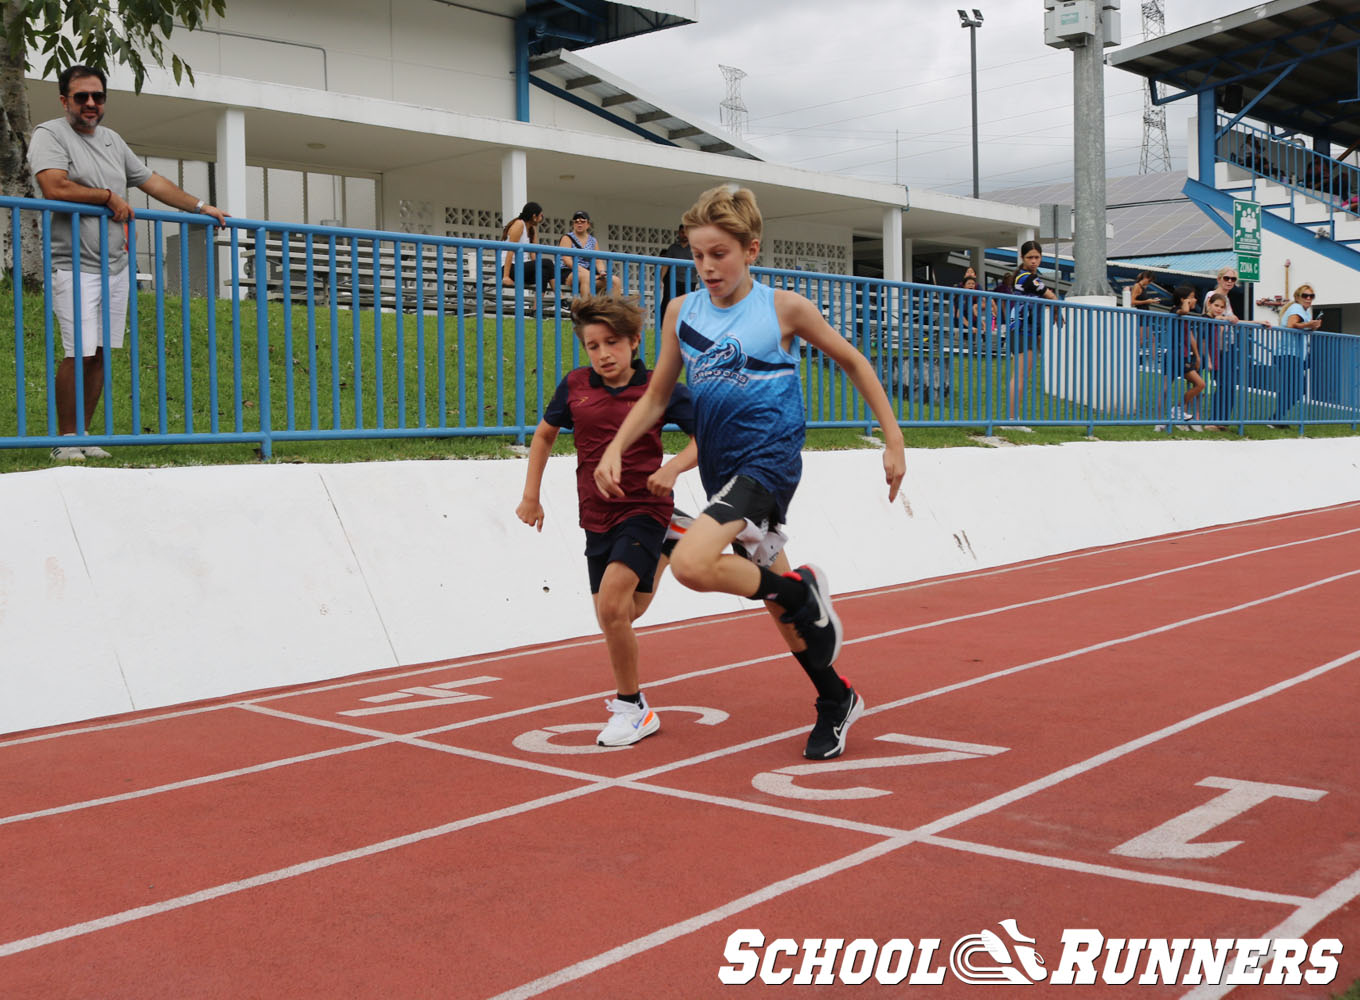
(1292, 354)
(1222, 354)
(75, 158)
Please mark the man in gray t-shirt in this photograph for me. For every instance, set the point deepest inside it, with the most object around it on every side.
(74, 158)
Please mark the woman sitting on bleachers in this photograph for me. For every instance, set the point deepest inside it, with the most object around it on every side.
(523, 228)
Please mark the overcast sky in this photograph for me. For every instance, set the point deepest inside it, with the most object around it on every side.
(880, 88)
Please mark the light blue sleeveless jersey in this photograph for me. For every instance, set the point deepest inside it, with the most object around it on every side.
(748, 397)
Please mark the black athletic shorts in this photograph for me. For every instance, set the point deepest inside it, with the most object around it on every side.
(744, 499)
(635, 542)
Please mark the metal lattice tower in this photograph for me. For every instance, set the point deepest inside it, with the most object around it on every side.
(1156, 156)
(732, 112)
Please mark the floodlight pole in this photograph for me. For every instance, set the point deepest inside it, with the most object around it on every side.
(1088, 247)
(1086, 27)
(972, 24)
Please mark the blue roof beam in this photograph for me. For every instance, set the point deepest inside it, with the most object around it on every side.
(1271, 56)
(575, 24)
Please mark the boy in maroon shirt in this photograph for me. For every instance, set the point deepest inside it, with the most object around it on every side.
(625, 535)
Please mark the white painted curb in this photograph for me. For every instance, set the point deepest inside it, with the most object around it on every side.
(135, 589)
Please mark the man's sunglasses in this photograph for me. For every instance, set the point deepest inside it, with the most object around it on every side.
(81, 97)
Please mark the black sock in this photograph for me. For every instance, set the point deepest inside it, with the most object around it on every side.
(828, 683)
(633, 699)
(790, 593)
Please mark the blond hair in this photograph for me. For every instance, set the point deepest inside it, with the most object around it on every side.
(1223, 272)
(623, 316)
(732, 209)
(1299, 291)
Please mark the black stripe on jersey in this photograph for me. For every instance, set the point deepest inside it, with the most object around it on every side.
(700, 343)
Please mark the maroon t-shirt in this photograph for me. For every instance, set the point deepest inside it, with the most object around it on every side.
(594, 413)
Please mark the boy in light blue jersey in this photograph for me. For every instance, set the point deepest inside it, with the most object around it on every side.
(737, 340)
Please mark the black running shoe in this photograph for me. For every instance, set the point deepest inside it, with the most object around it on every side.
(834, 719)
(816, 620)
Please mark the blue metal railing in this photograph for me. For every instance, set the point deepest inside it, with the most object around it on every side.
(366, 334)
(1285, 161)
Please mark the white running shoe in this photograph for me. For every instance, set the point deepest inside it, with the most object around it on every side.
(67, 455)
(94, 451)
(628, 723)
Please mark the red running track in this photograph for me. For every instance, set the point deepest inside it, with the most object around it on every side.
(1152, 740)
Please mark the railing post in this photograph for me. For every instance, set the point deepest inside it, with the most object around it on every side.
(519, 336)
(134, 345)
(16, 271)
(262, 344)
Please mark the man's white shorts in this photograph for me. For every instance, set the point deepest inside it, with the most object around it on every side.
(91, 314)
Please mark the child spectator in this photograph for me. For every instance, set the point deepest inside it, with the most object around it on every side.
(738, 341)
(1186, 298)
(627, 542)
(1024, 334)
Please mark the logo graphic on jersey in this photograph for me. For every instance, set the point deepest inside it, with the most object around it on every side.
(1003, 967)
(724, 360)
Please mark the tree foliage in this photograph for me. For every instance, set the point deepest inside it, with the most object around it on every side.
(60, 33)
(103, 34)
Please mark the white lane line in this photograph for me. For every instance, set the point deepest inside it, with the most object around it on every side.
(194, 782)
(423, 744)
(1296, 925)
(279, 875)
(1114, 753)
(681, 626)
(954, 620)
(417, 738)
(1111, 871)
(1097, 588)
(1321, 907)
(1334, 898)
(1104, 550)
(698, 922)
(996, 674)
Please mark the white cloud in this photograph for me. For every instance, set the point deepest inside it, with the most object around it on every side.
(882, 89)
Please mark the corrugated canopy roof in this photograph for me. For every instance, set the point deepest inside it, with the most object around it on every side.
(1301, 55)
(1149, 214)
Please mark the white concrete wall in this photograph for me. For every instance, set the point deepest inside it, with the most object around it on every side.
(137, 589)
(413, 51)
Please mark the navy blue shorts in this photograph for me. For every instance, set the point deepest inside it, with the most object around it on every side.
(635, 542)
(1019, 340)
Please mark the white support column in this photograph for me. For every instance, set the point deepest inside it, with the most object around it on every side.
(230, 177)
(514, 183)
(231, 162)
(892, 243)
(977, 257)
(908, 268)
